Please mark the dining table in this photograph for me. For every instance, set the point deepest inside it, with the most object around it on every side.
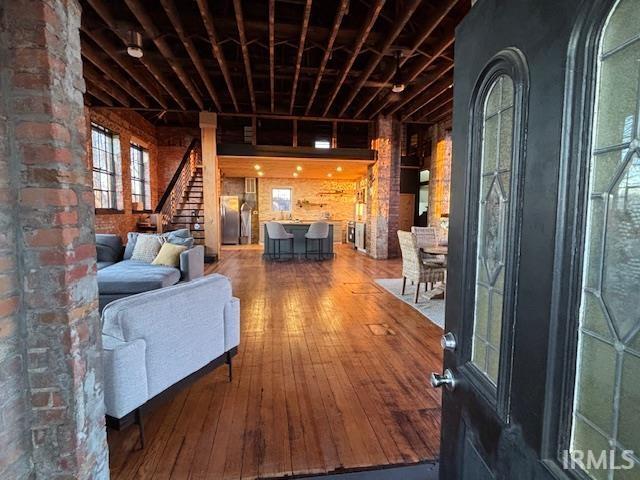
(438, 292)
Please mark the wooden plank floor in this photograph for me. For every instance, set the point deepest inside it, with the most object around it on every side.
(331, 374)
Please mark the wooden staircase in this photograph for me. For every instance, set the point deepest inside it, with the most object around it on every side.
(191, 209)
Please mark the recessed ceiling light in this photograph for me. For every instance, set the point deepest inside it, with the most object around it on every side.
(256, 166)
(299, 168)
(338, 169)
(295, 174)
(329, 175)
(261, 173)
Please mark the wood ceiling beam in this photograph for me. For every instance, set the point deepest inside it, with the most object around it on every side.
(419, 67)
(174, 18)
(400, 23)
(111, 90)
(448, 102)
(417, 88)
(420, 38)
(437, 90)
(342, 9)
(446, 113)
(207, 19)
(272, 49)
(372, 16)
(104, 13)
(93, 56)
(163, 47)
(237, 6)
(303, 37)
(123, 62)
(97, 93)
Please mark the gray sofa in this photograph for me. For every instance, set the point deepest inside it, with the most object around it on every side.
(154, 340)
(119, 276)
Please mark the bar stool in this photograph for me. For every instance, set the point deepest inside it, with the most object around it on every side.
(277, 233)
(317, 231)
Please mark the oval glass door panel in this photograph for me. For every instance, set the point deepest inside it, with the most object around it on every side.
(493, 218)
(606, 416)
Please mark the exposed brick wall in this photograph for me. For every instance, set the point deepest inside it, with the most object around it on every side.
(172, 145)
(383, 202)
(440, 176)
(341, 206)
(129, 126)
(51, 405)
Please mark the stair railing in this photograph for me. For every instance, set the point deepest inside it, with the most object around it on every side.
(173, 195)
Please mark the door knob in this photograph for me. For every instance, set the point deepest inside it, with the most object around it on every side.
(448, 341)
(447, 379)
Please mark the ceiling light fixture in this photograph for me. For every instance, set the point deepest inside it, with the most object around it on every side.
(329, 175)
(134, 44)
(398, 84)
(299, 168)
(256, 166)
(295, 174)
(261, 173)
(338, 169)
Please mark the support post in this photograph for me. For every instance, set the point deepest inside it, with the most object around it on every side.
(210, 184)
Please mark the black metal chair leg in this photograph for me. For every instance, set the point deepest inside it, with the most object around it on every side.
(293, 253)
(138, 418)
(229, 362)
(306, 248)
(404, 284)
(417, 292)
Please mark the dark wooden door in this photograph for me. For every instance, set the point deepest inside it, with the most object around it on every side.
(544, 250)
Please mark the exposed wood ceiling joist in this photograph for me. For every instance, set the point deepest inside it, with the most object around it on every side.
(272, 47)
(427, 30)
(237, 6)
(172, 14)
(207, 19)
(367, 25)
(303, 38)
(342, 9)
(418, 88)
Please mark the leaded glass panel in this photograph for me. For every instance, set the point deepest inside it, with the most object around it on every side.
(607, 392)
(495, 185)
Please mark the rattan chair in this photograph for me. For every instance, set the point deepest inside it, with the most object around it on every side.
(416, 268)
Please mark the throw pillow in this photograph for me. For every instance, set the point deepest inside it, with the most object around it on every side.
(179, 237)
(131, 244)
(146, 249)
(169, 255)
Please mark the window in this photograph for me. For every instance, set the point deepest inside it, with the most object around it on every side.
(493, 218)
(322, 143)
(140, 184)
(607, 395)
(281, 199)
(423, 193)
(106, 168)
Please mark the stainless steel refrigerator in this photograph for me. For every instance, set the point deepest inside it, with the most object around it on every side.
(230, 219)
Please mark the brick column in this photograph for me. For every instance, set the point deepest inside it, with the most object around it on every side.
(383, 203)
(439, 177)
(51, 402)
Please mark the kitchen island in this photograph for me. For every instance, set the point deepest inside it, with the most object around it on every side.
(299, 229)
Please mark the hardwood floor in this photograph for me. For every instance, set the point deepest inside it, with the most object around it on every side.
(331, 374)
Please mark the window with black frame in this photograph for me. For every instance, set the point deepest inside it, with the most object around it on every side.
(140, 184)
(105, 167)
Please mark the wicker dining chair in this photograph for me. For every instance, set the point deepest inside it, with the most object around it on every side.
(416, 268)
(428, 237)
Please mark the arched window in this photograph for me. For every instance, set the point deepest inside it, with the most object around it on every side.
(493, 217)
(606, 415)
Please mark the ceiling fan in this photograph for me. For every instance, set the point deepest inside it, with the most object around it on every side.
(397, 85)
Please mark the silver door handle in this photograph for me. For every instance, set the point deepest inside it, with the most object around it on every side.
(447, 379)
(448, 341)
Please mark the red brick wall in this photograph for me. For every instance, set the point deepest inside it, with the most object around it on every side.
(172, 144)
(128, 126)
(51, 405)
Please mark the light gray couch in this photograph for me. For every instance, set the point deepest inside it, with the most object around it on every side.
(153, 340)
(119, 276)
